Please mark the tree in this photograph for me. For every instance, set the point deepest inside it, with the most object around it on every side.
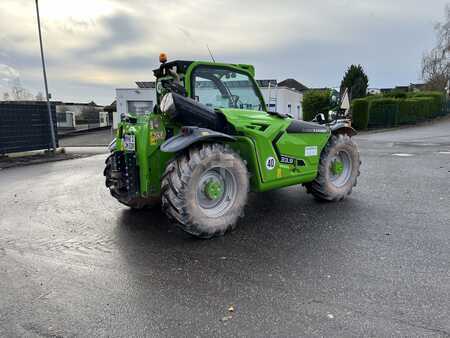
(315, 102)
(435, 63)
(19, 93)
(39, 96)
(356, 80)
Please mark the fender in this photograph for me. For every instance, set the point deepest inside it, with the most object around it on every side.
(191, 135)
(112, 145)
(343, 128)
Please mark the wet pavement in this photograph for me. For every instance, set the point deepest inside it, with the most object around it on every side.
(74, 262)
(92, 138)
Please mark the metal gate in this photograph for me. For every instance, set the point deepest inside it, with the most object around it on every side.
(25, 126)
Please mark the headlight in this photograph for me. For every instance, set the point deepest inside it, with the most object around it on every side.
(167, 105)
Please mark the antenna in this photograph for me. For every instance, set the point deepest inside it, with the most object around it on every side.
(209, 50)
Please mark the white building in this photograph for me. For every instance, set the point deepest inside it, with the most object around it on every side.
(69, 115)
(134, 100)
(373, 91)
(284, 97)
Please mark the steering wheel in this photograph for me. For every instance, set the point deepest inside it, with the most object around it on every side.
(235, 101)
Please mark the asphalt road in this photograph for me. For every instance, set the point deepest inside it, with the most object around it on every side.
(74, 262)
(87, 139)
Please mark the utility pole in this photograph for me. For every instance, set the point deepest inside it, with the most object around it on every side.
(50, 118)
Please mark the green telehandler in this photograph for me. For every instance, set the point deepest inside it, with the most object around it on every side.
(211, 139)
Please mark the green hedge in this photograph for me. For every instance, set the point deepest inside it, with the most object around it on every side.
(424, 108)
(383, 113)
(379, 111)
(360, 113)
(407, 111)
(438, 105)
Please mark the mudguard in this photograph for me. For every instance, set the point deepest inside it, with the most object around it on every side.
(191, 135)
(112, 145)
(343, 128)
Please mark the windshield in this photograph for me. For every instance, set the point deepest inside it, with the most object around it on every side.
(224, 88)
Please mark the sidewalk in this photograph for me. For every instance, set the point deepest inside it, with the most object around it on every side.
(43, 156)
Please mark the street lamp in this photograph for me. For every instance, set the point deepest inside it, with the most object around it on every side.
(50, 118)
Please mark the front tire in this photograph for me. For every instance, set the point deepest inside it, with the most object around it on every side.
(137, 203)
(205, 190)
(338, 169)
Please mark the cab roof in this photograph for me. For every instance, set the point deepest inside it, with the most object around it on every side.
(182, 66)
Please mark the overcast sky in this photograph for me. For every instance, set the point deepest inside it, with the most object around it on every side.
(95, 46)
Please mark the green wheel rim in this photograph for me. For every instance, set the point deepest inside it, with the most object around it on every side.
(340, 168)
(216, 191)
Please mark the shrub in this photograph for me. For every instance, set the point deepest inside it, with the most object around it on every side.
(437, 107)
(314, 102)
(383, 113)
(424, 108)
(407, 110)
(360, 113)
(397, 94)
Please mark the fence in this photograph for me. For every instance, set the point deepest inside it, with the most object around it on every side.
(25, 126)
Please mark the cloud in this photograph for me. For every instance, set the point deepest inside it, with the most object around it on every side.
(93, 46)
(8, 73)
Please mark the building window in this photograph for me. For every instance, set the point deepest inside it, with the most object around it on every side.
(61, 117)
(140, 107)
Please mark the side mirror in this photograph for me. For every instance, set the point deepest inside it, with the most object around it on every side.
(319, 118)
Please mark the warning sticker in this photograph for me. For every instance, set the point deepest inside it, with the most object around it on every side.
(311, 151)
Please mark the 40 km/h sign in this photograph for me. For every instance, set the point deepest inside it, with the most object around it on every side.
(270, 163)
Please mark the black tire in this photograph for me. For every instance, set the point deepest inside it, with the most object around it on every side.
(330, 184)
(135, 203)
(184, 192)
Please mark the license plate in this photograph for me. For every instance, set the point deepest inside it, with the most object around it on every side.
(129, 142)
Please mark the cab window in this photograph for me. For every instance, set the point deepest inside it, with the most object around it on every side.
(224, 88)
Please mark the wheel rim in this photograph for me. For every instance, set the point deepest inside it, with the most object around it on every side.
(340, 168)
(216, 191)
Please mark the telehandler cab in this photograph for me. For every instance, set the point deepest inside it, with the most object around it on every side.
(210, 140)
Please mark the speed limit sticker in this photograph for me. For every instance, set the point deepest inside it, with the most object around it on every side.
(270, 163)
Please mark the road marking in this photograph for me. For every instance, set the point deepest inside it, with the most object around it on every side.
(444, 152)
(403, 155)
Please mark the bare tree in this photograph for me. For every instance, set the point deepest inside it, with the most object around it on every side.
(39, 96)
(436, 63)
(18, 92)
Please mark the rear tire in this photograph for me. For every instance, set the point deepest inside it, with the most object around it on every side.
(338, 169)
(205, 190)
